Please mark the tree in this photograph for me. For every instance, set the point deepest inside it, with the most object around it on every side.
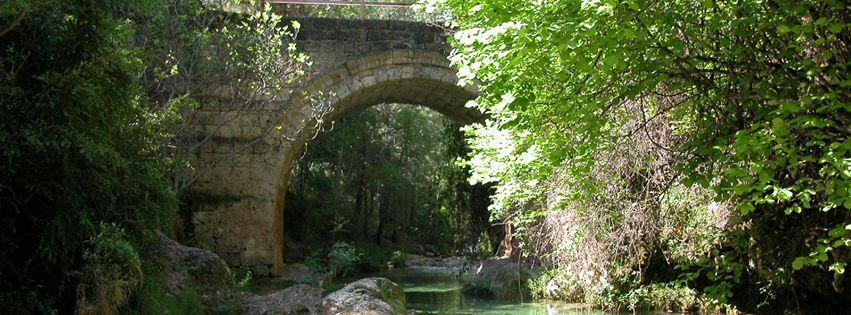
(757, 91)
(78, 148)
(209, 65)
(390, 171)
(101, 123)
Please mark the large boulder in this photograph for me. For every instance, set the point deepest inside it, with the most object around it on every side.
(299, 299)
(370, 296)
(501, 278)
(189, 267)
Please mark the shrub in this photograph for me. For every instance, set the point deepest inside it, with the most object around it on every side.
(342, 258)
(240, 280)
(111, 275)
(156, 300)
(375, 258)
(670, 297)
(555, 284)
(316, 262)
(398, 259)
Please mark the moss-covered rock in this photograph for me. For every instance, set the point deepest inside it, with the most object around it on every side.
(501, 278)
(189, 267)
(366, 296)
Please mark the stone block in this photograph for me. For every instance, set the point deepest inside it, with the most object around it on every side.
(207, 147)
(222, 145)
(368, 80)
(402, 45)
(251, 132)
(311, 46)
(261, 148)
(348, 49)
(326, 46)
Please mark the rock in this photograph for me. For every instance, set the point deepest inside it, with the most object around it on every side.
(300, 273)
(450, 265)
(501, 278)
(299, 299)
(296, 272)
(189, 267)
(374, 296)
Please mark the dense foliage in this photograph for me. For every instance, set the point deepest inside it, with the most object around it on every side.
(754, 97)
(96, 103)
(76, 147)
(387, 174)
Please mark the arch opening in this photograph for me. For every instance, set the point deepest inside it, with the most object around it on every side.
(385, 179)
(416, 78)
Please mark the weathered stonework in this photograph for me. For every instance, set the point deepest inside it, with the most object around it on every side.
(357, 64)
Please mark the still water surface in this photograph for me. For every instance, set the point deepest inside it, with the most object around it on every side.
(440, 293)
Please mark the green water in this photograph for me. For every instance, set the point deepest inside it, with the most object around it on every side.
(440, 293)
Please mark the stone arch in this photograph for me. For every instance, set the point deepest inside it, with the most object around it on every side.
(422, 78)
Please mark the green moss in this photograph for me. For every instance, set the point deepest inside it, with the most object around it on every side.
(155, 299)
(393, 295)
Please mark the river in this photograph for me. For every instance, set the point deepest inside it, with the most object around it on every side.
(440, 293)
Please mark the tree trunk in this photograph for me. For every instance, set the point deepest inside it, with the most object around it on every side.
(369, 208)
(383, 209)
(360, 212)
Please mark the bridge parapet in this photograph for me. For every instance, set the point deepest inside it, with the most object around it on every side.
(330, 41)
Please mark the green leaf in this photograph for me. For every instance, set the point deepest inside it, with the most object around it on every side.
(835, 28)
(838, 267)
(784, 194)
(746, 208)
(798, 263)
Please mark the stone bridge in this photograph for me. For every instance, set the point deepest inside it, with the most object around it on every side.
(357, 64)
